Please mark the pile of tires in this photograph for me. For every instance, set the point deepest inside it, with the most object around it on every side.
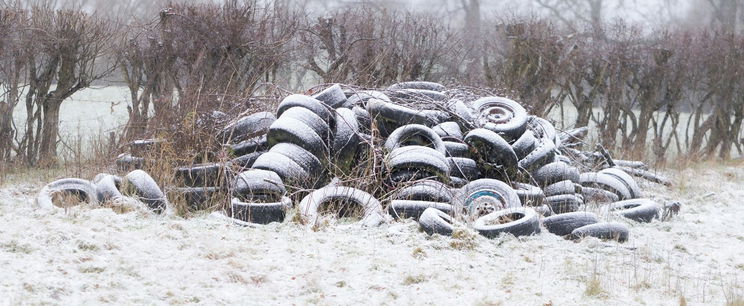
(441, 157)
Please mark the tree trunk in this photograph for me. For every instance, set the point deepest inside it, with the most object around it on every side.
(49, 131)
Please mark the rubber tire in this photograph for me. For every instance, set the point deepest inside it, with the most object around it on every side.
(364, 120)
(564, 224)
(434, 221)
(288, 170)
(310, 103)
(310, 204)
(127, 162)
(524, 144)
(309, 162)
(401, 136)
(417, 85)
(258, 184)
(562, 187)
(147, 190)
(543, 154)
(107, 187)
(345, 145)
(492, 148)
(494, 192)
(605, 231)
(403, 209)
(464, 168)
(456, 149)
(625, 178)
(204, 175)
(639, 210)
(332, 96)
(544, 129)
(597, 195)
(294, 131)
(448, 130)
(418, 158)
(306, 116)
(555, 172)
(422, 95)
(248, 146)
(606, 182)
(244, 162)
(565, 203)
(360, 98)
(143, 147)
(528, 224)
(511, 119)
(247, 127)
(427, 190)
(260, 213)
(197, 198)
(529, 195)
(84, 189)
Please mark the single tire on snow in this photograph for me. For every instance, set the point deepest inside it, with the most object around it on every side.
(84, 190)
(565, 224)
(640, 210)
(144, 187)
(402, 209)
(435, 221)
(518, 221)
(258, 184)
(605, 231)
(347, 199)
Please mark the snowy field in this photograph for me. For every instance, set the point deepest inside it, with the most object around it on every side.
(90, 255)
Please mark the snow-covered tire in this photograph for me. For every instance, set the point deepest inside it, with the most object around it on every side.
(332, 96)
(565, 203)
(248, 146)
(529, 195)
(203, 175)
(427, 190)
(306, 116)
(555, 172)
(401, 209)
(626, 179)
(143, 147)
(247, 127)
(198, 198)
(258, 184)
(127, 162)
(360, 98)
(640, 210)
(417, 85)
(83, 189)
(244, 162)
(605, 231)
(260, 213)
(295, 131)
(418, 158)
(414, 134)
(364, 120)
(456, 149)
(524, 144)
(144, 187)
(345, 142)
(564, 224)
(464, 168)
(521, 221)
(418, 94)
(597, 195)
(308, 102)
(107, 187)
(448, 130)
(606, 182)
(435, 221)
(483, 196)
(389, 116)
(372, 214)
(543, 154)
(562, 187)
(544, 129)
(501, 115)
(288, 170)
(492, 148)
(309, 162)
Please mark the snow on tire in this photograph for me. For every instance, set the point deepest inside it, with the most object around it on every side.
(435, 221)
(519, 221)
(564, 224)
(604, 230)
(347, 198)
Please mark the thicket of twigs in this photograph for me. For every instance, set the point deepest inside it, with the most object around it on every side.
(679, 91)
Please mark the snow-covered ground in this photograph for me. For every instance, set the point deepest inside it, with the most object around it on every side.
(89, 255)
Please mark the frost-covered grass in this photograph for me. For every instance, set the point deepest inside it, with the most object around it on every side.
(93, 255)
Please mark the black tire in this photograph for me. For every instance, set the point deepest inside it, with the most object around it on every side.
(389, 116)
(544, 129)
(606, 182)
(626, 179)
(364, 121)
(417, 85)
(309, 162)
(310, 103)
(640, 210)
(127, 162)
(565, 224)
(487, 195)
(199, 198)
(144, 147)
(345, 145)
(524, 144)
(288, 170)
(457, 182)
(456, 149)
(402, 209)
(520, 221)
(427, 190)
(332, 96)
(306, 116)
(204, 175)
(418, 158)
(605, 231)
(555, 172)
(247, 127)
(107, 187)
(597, 195)
(244, 162)
(296, 132)
(418, 94)
(562, 187)
(434, 221)
(360, 98)
(492, 148)
(248, 146)
(143, 186)
(83, 189)
(405, 175)
(543, 154)
(565, 203)
(448, 130)
(372, 213)
(529, 195)
(464, 168)
(260, 213)
(501, 115)
(414, 134)
(257, 184)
